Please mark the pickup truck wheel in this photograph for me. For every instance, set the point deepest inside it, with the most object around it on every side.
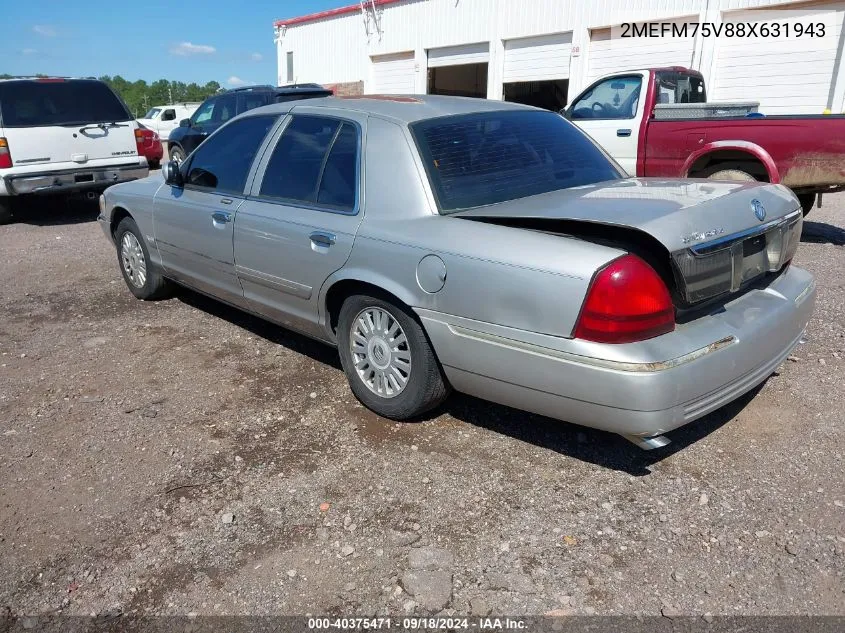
(141, 277)
(807, 200)
(387, 358)
(731, 174)
(176, 154)
(5, 211)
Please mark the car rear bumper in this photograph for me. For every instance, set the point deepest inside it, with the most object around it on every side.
(73, 179)
(745, 343)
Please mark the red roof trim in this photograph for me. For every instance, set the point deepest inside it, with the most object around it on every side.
(331, 13)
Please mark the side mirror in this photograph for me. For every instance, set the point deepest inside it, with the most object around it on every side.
(185, 123)
(171, 173)
(566, 113)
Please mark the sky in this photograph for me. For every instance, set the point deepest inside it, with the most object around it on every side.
(228, 41)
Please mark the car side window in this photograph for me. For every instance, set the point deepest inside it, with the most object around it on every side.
(223, 161)
(169, 115)
(315, 161)
(205, 112)
(252, 100)
(340, 174)
(227, 108)
(614, 98)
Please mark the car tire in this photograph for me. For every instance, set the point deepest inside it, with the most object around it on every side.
(376, 353)
(176, 153)
(807, 201)
(156, 164)
(731, 174)
(140, 275)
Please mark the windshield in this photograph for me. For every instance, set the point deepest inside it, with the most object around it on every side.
(484, 158)
(153, 113)
(59, 102)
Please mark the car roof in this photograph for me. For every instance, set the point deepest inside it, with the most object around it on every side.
(401, 108)
(292, 89)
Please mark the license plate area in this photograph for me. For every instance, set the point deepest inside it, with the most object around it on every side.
(755, 256)
(83, 178)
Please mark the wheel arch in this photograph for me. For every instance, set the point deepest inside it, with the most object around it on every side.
(347, 283)
(117, 215)
(732, 155)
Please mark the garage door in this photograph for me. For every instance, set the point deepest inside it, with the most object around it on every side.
(613, 55)
(537, 58)
(459, 55)
(786, 75)
(393, 74)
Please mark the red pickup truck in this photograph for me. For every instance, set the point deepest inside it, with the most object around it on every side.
(657, 122)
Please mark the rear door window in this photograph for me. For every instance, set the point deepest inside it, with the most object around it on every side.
(223, 161)
(51, 102)
(315, 162)
(484, 158)
(252, 100)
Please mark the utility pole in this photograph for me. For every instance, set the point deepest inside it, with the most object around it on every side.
(170, 93)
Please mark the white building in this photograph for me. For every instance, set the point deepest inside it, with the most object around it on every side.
(544, 52)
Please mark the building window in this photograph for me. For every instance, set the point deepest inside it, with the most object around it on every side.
(290, 66)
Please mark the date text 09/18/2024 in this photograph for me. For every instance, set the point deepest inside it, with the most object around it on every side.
(417, 623)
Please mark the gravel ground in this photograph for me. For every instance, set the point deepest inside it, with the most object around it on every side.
(180, 457)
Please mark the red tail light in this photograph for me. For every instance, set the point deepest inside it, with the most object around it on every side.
(627, 301)
(5, 156)
(140, 140)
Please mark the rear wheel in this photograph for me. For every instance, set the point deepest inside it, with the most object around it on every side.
(731, 174)
(176, 154)
(141, 277)
(5, 210)
(807, 200)
(387, 358)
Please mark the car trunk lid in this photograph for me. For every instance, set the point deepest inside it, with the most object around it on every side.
(712, 237)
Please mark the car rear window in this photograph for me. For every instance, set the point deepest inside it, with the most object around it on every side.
(484, 158)
(51, 102)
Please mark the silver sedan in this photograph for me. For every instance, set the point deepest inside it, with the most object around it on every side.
(447, 243)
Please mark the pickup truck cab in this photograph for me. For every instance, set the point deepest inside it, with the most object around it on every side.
(164, 118)
(60, 135)
(625, 113)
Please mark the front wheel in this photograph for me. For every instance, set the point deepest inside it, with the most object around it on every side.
(387, 358)
(141, 277)
(176, 154)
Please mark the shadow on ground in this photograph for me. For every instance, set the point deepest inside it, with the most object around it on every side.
(822, 233)
(55, 210)
(589, 445)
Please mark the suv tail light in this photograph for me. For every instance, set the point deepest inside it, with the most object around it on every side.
(139, 139)
(627, 301)
(5, 156)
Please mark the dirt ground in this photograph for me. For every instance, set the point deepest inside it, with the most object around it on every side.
(173, 457)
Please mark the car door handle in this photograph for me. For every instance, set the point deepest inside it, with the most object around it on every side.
(623, 132)
(226, 201)
(220, 218)
(321, 238)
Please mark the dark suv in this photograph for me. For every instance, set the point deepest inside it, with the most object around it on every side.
(216, 110)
